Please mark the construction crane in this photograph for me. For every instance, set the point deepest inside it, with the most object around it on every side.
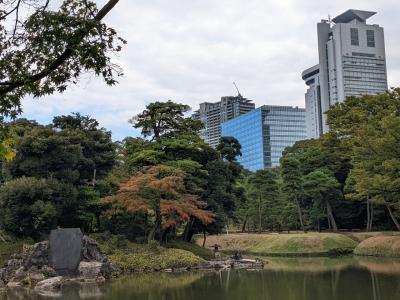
(239, 94)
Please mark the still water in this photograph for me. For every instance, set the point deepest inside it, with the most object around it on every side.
(282, 279)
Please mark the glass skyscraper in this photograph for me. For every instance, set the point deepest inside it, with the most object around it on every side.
(265, 132)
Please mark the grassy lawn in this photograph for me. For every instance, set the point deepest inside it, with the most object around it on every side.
(284, 244)
(380, 245)
(361, 236)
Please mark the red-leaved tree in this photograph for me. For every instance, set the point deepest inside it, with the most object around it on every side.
(160, 191)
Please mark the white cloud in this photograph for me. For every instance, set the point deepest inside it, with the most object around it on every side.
(192, 51)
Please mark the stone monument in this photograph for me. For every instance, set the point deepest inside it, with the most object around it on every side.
(65, 250)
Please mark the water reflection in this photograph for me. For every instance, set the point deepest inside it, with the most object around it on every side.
(283, 279)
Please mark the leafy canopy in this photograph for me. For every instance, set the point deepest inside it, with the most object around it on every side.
(45, 48)
(162, 119)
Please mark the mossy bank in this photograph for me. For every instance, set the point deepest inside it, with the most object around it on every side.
(133, 257)
(380, 246)
(304, 244)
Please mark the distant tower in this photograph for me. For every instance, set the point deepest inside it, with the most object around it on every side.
(352, 62)
(214, 114)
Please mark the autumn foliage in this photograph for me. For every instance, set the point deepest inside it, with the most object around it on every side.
(160, 191)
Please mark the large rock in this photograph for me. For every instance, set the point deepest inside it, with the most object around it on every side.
(14, 284)
(36, 255)
(49, 284)
(35, 275)
(10, 270)
(91, 251)
(90, 269)
(32, 265)
(3, 274)
(2, 285)
(65, 248)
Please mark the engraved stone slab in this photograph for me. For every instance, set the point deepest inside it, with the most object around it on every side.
(65, 250)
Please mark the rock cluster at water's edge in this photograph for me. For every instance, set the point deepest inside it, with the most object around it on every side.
(32, 268)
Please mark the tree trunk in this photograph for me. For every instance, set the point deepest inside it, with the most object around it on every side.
(151, 235)
(94, 177)
(204, 238)
(368, 229)
(370, 215)
(393, 217)
(156, 230)
(244, 224)
(300, 214)
(165, 234)
(259, 216)
(188, 232)
(331, 217)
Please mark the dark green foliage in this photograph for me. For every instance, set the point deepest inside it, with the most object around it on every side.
(229, 147)
(162, 119)
(76, 154)
(48, 50)
(31, 207)
(60, 168)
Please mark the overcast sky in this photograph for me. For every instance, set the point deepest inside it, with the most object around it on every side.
(192, 51)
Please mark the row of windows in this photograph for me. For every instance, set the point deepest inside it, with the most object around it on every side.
(355, 38)
(348, 58)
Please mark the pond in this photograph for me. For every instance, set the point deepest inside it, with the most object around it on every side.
(282, 279)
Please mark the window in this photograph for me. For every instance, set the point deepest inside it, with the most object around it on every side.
(354, 36)
(370, 38)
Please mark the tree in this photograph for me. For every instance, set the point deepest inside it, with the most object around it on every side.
(47, 51)
(75, 154)
(292, 183)
(6, 144)
(30, 207)
(330, 155)
(72, 151)
(161, 119)
(322, 187)
(370, 125)
(263, 191)
(174, 142)
(229, 147)
(98, 150)
(160, 190)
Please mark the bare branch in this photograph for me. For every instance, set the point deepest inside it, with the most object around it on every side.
(16, 17)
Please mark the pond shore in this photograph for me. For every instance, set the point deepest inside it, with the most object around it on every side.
(178, 256)
(312, 244)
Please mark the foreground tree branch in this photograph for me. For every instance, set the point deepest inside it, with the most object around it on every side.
(50, 49)
(63, 57)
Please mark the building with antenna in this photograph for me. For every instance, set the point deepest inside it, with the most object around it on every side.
(213, 114)
(352, 62)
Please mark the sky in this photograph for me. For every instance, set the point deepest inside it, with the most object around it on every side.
(192, 51)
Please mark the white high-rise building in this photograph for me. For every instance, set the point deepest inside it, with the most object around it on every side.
(352, 62)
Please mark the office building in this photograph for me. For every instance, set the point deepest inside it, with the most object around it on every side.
(352, 62)
(264, 133)
(214, 114)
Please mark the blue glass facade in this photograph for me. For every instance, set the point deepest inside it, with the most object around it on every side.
(265, 132)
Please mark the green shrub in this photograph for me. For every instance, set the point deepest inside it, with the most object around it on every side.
(31, 207)
(150, 261)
